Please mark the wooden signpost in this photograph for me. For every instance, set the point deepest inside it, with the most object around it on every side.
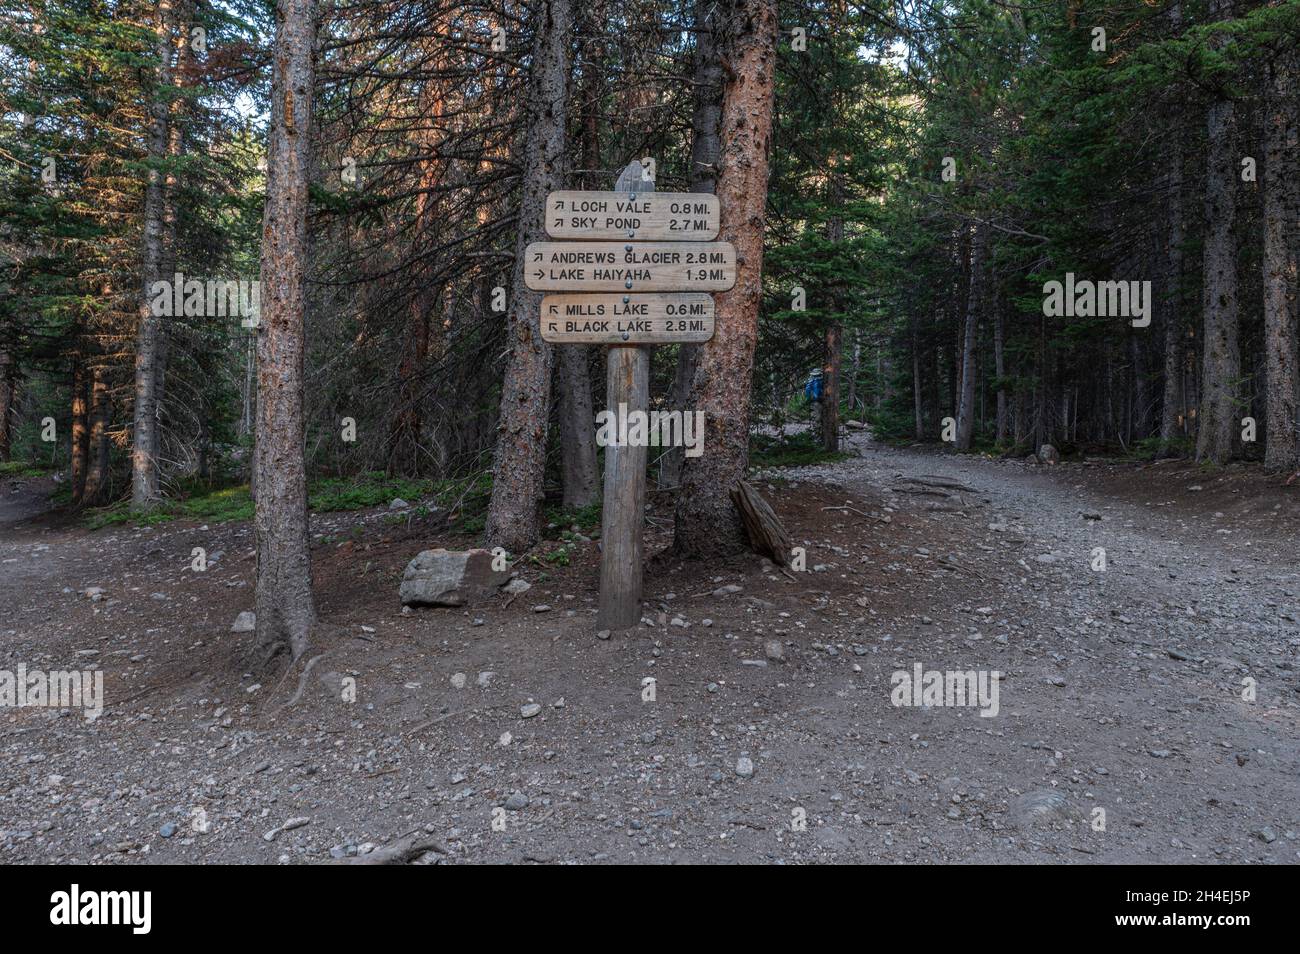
(622, 319)
(645, 216)
(637, 276)
(630, 266)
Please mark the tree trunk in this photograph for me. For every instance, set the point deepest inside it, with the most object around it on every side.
(966, 407)
(97, 466)
(285, 606)
(706, 117)
(1139, 398)
(855, 368)
(1221, 362)
(832, 358)
(1000, 369)
(8, 392)
(579, 473)
(918, 405)
(181, 68)
(520, 461)
(577, 429)
(404, 438)
(145, 437)
(831, 390)
(1174, 404)
(1280, 326)
(706, 520)
(80, 434)
(1038, 427)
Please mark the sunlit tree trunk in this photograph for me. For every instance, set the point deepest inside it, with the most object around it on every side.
(99, 447)
(702, 176)
(145, 436)
(519, 465)
(80, 432)
(285, 607)
(707, 523)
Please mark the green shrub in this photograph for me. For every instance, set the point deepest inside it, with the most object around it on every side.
(794, 450)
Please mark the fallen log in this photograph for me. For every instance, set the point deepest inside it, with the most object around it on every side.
(400, 852)
(766, 535)
(922, 491)
(933, 480)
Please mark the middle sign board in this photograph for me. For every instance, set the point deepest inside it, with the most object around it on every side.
(630, 267)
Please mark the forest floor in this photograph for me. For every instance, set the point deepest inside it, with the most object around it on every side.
(1121, 690)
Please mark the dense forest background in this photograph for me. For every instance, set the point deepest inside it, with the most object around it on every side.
(929, 168)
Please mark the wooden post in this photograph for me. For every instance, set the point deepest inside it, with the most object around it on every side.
(627, 390)
(666, 265)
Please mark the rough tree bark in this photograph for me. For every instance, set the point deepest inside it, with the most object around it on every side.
(974, 301)
(832, 355)
(830, 409)
(1173, 405)
(1000, 369)
(520, 460)
(578, 469)
(706, 521)
(145, 437)
(1282, 451)
(855, 368)
(918, 404)
(285, 607)
(8, 391)
(405, 437)
(80, 431)
(706, 144)
(97, 465)
(1221, 361)
(182, 68)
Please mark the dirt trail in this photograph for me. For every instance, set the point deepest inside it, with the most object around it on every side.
(1122, 689)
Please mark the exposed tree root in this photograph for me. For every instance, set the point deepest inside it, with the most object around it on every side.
(403, 851)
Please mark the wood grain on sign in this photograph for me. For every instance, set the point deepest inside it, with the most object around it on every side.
(644, 216)
(627, 319)
(629, 266)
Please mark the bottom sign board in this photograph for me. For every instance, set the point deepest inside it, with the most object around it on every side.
(627, 319)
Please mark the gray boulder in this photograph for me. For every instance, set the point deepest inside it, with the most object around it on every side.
(450, 578)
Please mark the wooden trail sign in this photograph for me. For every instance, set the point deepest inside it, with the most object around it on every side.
(627, 319)
(622, 307)
(623, 505)
(644, 216)
(628, 266)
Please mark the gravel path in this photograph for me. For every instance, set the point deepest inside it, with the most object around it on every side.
(1122, 734)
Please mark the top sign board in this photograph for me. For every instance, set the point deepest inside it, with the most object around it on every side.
(645, 216)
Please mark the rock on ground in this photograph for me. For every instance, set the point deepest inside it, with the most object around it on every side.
(450, 578)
